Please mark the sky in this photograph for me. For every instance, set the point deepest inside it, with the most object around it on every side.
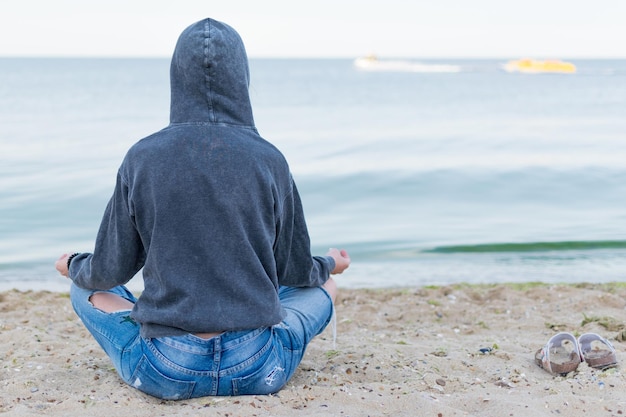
(322, 28)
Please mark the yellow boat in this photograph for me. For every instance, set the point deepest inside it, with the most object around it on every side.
(533, 67)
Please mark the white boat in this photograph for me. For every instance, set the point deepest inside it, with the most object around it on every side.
(372, 63)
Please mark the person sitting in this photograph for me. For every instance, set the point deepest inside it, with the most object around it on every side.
(208, 210)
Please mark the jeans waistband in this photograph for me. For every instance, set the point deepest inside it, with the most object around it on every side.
(223, 342)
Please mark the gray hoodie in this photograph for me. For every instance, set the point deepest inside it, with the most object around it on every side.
(205, 206)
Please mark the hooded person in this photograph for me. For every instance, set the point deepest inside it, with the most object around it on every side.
(209, 211)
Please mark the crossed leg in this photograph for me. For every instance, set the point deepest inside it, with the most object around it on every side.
(110, 303)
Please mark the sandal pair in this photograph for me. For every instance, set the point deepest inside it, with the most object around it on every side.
(563, 353)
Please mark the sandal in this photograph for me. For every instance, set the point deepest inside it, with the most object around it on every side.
(561, 355)
(597, 351)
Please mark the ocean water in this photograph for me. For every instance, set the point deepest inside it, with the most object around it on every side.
(427, 176)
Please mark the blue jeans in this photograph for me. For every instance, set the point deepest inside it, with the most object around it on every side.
(258, 361)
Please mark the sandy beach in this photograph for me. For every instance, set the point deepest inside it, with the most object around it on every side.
(444, 351)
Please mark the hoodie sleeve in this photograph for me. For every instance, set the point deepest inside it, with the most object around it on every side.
(296, 266)
(119, 253)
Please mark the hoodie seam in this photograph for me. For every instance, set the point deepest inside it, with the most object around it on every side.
(225, 124)
(207, 70)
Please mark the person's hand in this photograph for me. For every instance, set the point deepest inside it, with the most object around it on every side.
(61, 265)
(342, 260)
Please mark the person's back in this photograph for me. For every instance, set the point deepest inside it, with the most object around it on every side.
(209, 204)
(210, 212)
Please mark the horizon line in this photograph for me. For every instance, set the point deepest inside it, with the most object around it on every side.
(302, 57)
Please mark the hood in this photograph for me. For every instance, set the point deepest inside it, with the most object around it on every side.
(209, 76)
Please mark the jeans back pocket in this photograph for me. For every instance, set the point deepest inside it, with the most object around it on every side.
(148, 379)
(268, 379)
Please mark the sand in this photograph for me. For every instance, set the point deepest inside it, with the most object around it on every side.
(413, 351)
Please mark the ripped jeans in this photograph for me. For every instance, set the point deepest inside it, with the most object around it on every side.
(258, 361)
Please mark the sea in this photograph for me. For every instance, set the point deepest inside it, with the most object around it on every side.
(438, 172)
